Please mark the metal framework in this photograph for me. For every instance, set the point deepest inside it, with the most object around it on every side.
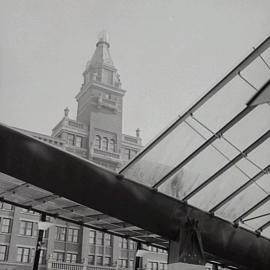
(212, 164)
(243, 159)
(32, 169)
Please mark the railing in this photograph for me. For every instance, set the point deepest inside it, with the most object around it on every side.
(130, 139)
(92, 267)
(76, 124)
(109, 101)
(78, 266)
(66, 266)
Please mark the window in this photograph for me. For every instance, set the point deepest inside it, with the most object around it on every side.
(99, 260)
(132, 244)
(28, 211)
(3, 253)
(70, 139)
(123, 243)
(133, 153)
(108, 76)
(152, 266)
(73, 235)
(153, 249)
(6, 206)
(46, 234)
(105, 143)
(98, 142)
(107, 239)
(58, 256)
(91, 259)
(112, 145)
(71, 258)
(92, 237)
(131, 264)
(99, 238)
(123, 263)
(60, 233)
(6, 224)
(26, 228)
(23, 255)
(78, 141)
(107, 261)
(126, 154)
(129, 153)
(163, 266)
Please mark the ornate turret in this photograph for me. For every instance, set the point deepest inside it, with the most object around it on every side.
(101, 68)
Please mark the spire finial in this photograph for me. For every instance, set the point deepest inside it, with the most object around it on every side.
(103, 37)
(138, 133)
(66, 111)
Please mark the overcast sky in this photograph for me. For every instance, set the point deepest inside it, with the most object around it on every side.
(168, 54)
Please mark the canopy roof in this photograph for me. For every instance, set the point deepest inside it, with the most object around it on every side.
(216, 155)
(213, 162)
(25, 195)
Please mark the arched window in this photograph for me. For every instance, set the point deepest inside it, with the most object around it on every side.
(105, 144)
(112, 145)
(98, 142)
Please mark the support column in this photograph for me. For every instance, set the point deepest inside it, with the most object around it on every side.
(39, 243)
(139, 257)
(186, 252)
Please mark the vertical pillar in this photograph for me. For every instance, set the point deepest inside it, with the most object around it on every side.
(186, 252)
(39, 243)
(140, 255)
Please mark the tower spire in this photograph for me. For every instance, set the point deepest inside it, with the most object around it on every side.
(103, 38)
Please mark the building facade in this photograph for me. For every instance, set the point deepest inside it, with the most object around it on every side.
(96, 134)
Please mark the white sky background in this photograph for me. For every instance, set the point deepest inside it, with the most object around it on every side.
(168, 54)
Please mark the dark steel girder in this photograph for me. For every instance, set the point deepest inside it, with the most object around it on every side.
(76, 179)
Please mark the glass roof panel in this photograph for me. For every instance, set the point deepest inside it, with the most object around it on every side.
(261, 155)
(173, 149)
(224, 105)
(198, 169)
(257, 73)
(8, 183)
(258, 217)
(250, 128)
(219, 189)
(244, 200)
(248, 166)
(266, 57)
(266, 232)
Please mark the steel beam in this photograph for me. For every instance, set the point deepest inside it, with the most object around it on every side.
(76, 179)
